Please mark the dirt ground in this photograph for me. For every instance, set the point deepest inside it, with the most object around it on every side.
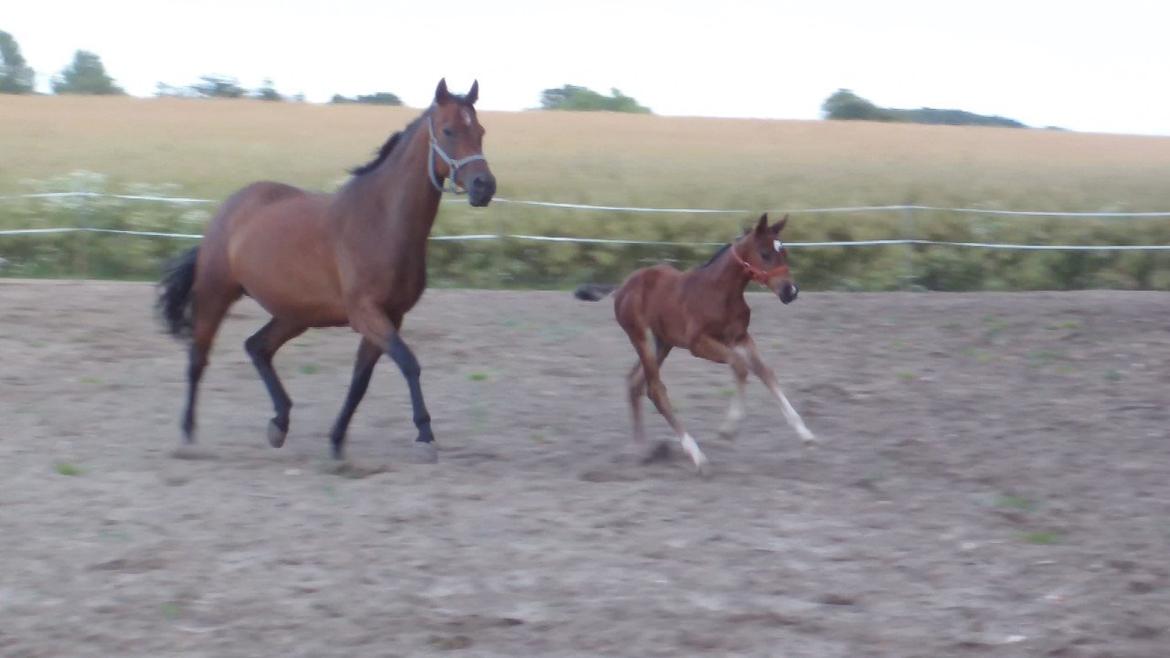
(993, 480)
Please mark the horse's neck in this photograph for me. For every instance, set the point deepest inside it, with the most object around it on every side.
(725, 277)
(408, 199)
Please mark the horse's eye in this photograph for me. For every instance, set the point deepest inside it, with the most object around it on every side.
(448, 132)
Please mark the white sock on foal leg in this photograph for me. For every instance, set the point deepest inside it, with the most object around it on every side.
(792, 417)
(691, 448)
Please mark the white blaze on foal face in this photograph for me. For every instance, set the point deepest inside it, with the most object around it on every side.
(466, 116)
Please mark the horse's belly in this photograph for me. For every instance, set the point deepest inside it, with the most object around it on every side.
(291, 273)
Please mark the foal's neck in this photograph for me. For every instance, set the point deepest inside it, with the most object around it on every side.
(725, 274)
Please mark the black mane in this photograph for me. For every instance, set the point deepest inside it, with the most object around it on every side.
(716, 255)
(388, 147)
(383, 153)
(397, 138)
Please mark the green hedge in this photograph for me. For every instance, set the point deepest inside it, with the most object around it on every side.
(523, 264)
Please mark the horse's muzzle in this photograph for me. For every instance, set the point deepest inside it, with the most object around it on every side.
(788, 292)
(481, 190)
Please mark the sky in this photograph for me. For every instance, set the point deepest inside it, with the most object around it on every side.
(1086, 66)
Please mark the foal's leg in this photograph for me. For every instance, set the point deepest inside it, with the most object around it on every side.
(637, 387)
(766, 375)
(373, 323)
(713, 350)
(262, 346)
(363, 367)
(209, 313)
(657, 392)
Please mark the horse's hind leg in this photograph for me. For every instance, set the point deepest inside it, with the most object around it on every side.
(262, 346)
(208, 314)
(363, 367)
(657, 393)
(637, 388)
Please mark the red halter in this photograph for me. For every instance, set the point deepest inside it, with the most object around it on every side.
(756, 274)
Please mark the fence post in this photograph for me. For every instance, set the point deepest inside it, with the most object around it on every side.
(908, 234)
(501, 253)
(83, 236)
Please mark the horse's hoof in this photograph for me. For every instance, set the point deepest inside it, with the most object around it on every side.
(659, 453)
(276, 436)
(703, 469)
(424, 453)
(727, 434)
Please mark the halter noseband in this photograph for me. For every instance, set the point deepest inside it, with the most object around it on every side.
(452, 164)
(757, 274)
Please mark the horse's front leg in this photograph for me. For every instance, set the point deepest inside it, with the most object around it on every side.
(766, 375)
(712, 350)
(376, 326)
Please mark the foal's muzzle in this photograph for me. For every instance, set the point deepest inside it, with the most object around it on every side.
(481, 189)
(788, 292)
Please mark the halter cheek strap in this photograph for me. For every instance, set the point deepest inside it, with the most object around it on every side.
(453, 165)
(757, 274)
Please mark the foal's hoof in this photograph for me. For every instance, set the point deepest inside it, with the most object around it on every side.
(423, 453)
(659, 453)
(276, 435)
(728, 433)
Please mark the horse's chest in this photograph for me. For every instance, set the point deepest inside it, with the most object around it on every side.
(725, 323)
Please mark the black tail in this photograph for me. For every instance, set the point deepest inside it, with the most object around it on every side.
(593, 292)
(175, 305)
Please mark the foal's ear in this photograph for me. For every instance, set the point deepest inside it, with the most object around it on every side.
(441, 93)
(472, 95)
(762, 225)
(779, 226)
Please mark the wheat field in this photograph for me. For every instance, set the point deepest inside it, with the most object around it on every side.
(211, 147)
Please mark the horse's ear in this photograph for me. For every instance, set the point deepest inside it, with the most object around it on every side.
(762, 225)
(473, 95)
(441, 93)
(779, 226)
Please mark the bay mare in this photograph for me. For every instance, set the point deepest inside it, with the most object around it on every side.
(356, 257)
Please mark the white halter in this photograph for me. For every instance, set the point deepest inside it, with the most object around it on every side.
(452, 163)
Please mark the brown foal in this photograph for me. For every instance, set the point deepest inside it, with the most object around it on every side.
(704, 311)
(356, 257)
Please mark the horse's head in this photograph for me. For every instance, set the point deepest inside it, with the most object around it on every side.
(765, 258)
(457, 140)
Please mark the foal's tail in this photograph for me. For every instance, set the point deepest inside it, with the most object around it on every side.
(593, 292)
(175, 305)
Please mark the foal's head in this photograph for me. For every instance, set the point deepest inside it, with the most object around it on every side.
(457, 138)
(765, 258)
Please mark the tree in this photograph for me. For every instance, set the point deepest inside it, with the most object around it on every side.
(86, 75)
(267, 92)
(164, 90)
(844, 104)
(16, 76)
(582, 99)
(377, 98)
(217, 86)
